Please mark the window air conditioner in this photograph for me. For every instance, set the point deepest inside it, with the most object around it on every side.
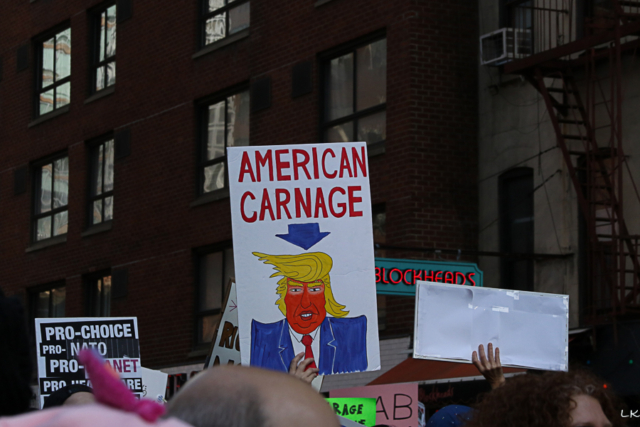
(504, 45)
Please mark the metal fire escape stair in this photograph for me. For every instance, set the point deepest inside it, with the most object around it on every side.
(596, 173)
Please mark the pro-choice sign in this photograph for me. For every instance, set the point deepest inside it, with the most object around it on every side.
(399, 276)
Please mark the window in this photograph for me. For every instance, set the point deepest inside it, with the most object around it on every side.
(99, 294)
(54, 72)
(50, 217)
(223, 18)
(48, 301)
(516, 228)
(225, 124)
(101, 186)
(104, 50)
(214, 271)
(355, 87)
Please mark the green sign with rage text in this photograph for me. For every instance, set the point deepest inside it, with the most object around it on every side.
(359, 409)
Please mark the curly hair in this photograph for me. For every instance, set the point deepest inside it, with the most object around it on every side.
(542, 401)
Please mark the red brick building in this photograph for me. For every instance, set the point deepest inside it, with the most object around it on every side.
(113, 197)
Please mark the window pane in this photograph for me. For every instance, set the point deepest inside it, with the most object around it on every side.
(59, 297)
(215, 28)
(97, 177)
(211, 281)
(100, 71)
(47, 62)
(108, 208)
(340, 133)
(209, 327)
(111, 73)
(43, 228)
(46, 184)
(229, 269)
(213, 177)
(63, 95)
(63, 54)
(215, 5)
(106, 296)
(108, 165)
(97, 212)
(238, 120)
(373, 128)
(60, 223)
(61, 183)
(215, 131)
(239, 18)
(111, 31)
(340, 87)
(103, 33)
(371, 75)
(46, 102)
(42, 304)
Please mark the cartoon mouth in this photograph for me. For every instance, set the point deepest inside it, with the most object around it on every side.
(306, 316)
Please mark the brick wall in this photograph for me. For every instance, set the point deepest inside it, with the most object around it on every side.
(426, 178)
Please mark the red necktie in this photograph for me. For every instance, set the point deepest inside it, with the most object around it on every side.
(307, 340)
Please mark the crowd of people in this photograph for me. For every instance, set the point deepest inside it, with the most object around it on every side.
(235, 396)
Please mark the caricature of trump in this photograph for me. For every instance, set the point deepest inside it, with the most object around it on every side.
(314, 322)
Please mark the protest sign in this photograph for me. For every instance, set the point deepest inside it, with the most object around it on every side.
(396, 404)
(58, 341)
(303, 251)
(422, 419)
(225, 346)
(530, 328)
(362, 410)
(154, 384)
(345, 422)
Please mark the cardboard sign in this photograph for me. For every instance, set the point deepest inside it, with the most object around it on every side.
(303, 251)
(396, 404)
(58, 341)
(225, 346)
(530, 328)
(422, 421)
(358, 409)
(154, 384)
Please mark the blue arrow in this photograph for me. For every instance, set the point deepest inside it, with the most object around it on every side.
(303, 235)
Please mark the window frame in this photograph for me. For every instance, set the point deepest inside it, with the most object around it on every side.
(37, 186)
(90, 281)
(199, 314)
(325, 72)
(203, 134)
(33, 292)
(95, 19)
(38, 41)
(205, 15)
(94, 147)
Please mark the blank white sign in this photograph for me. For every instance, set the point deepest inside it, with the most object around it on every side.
(530, 328)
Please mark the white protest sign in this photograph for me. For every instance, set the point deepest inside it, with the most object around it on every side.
(530, 328)
(303, 251)
(154, 384)
(58, 341)
(225, 347)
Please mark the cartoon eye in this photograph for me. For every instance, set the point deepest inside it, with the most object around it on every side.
(316, 289)
(296, 289)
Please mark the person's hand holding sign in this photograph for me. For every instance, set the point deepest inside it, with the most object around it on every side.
(490, 367)
(299, 369)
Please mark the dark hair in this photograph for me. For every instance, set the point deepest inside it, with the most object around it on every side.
(237, 407)
(58, 397)
(542, 401)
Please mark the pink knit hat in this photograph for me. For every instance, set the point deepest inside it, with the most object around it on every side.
(94, 415)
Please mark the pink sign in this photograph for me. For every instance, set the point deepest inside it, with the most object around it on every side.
(396, 404)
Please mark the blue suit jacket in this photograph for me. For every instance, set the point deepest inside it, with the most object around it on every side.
(343, 345)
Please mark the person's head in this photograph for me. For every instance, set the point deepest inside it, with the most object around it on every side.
(554, 399)
(235, 396)
(75, 394)
(304, 291)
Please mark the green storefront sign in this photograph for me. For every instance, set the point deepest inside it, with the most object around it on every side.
(399, 276)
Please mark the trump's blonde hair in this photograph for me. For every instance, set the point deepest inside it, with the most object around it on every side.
(305, 268)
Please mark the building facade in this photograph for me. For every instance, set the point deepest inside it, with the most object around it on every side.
(114, 187)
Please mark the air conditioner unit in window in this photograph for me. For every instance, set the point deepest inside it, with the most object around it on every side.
(504, 45)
